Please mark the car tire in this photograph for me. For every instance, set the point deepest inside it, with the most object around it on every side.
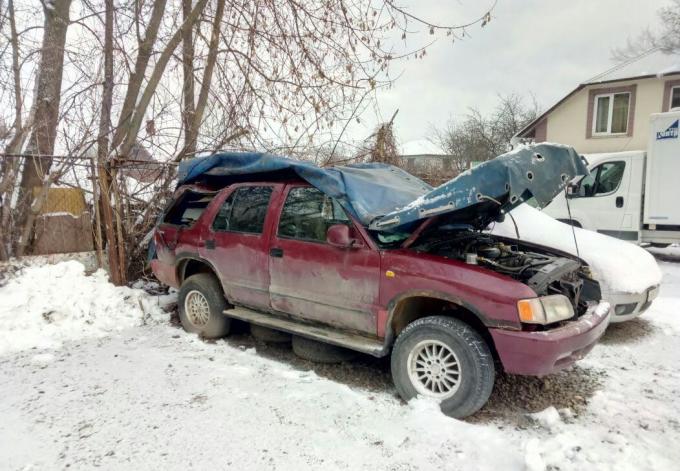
(201, 306)
(461, 371)
(320, 352)
(268, 335)
(659, 245)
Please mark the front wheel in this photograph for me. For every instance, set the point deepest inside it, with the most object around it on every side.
(201, 306)
(445, 359)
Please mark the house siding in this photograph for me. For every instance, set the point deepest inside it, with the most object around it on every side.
(568, 122)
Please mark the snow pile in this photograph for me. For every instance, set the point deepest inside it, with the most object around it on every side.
(46, 305)
(618, 265)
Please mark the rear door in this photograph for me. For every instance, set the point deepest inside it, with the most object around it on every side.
(236, 243)
(313, 280)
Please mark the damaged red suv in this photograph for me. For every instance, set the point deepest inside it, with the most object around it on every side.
(369, 258)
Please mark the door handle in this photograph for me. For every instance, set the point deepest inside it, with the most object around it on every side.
(210, 244)
(276, 252)
(619, 201)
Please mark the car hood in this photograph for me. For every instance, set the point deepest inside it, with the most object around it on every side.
(536, 172)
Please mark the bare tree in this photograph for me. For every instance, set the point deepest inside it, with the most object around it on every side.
(478, 137)
(263, 74)
(666, 38)
(46, 103)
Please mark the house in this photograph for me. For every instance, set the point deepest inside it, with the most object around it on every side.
(610, 112)
(422, 156)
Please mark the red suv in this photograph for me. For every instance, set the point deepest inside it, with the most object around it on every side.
(449, 302)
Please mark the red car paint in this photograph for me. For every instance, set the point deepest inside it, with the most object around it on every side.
(356, 289)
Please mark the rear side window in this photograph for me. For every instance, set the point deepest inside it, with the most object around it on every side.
(244, 210)
(188, 208)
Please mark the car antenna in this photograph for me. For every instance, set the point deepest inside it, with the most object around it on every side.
(507, 212)
(571, 223)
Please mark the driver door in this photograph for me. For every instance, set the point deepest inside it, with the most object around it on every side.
(313, 280)
(603, 197)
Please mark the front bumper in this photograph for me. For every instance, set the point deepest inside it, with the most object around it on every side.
(627, 306)
(545, 352)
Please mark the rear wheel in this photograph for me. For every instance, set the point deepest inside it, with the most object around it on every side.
(444, 359)
(267, 335)
(320, 352)
(201, 305)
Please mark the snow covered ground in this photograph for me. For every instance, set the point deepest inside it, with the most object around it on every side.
(150, 396)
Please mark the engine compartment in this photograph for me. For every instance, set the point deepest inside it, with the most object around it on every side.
(544, 271)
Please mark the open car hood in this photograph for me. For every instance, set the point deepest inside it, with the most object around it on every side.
(480, 195)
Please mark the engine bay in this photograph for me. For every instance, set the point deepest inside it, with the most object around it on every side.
(545, 272)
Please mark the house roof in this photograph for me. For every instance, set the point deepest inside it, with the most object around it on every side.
(652, 63)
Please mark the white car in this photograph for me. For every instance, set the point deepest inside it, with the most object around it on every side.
(629, 276)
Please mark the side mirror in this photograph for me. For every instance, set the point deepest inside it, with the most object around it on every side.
(572, 190)
(338, 235)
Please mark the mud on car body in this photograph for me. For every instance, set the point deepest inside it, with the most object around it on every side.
(370, 258)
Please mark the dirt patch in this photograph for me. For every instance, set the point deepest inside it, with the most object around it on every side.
(628, 332)
(515, 396)
(512, 399)
(366, 372)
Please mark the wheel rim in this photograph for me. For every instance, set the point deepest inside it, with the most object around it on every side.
(197, 308)
(434, 369)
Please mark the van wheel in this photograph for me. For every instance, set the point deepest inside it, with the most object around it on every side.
(445, 359)
(320, 352)
(201, 305)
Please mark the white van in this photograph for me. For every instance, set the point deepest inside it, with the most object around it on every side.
(633, 195)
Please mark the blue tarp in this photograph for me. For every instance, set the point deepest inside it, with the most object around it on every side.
(386, 198)
(538, 171)
(366, 190)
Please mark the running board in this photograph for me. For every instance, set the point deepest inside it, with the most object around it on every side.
(329, 335)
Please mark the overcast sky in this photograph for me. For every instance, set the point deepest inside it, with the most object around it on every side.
(544, 47)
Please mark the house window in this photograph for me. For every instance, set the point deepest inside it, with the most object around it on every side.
(675, 97)
(611, 113)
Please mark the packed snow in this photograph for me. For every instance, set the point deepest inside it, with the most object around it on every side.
(618, 265)
(153, 397)
(50, 304)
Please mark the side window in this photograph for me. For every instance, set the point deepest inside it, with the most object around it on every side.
(244, 210)
(609, 177)
(188, 208)
(587, 183)
(307, 214)
(603, 179)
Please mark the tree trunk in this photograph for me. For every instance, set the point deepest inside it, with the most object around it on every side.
(192, 128)
(137, 77)
(116, 264)
(188, 88)
(132, 127)
(10, 165)
(47, 100)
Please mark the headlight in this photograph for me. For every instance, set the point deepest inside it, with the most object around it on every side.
(545, 310)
